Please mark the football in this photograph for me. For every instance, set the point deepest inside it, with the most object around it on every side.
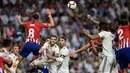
(72, 4)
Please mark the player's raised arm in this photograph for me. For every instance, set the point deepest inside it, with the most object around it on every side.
(94, 48)
(89, 35)
(50, 18)
(80, 50)
(94, 21)
(19, 19)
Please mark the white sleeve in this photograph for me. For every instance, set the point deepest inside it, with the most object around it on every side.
(101, 34)
(45, 46)
(65, 52)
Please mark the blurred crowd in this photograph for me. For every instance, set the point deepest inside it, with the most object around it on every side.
(108, 10)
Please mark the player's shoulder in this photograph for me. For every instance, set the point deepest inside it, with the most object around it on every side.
(56, 46)
(28, 22)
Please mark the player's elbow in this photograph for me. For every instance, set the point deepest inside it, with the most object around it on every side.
(59, 59)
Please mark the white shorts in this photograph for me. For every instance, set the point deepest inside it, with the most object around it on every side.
(108, 65)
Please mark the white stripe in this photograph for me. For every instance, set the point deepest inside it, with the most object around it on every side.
(127, 44)
(124, 43)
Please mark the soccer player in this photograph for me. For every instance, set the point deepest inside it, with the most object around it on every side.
(5, 51)
(33, 29)
(123, 41)
(63, 59)
(4, 61)
(94, 45)
(108, 64)
(51, 48)
(90, 44)
(14, 57)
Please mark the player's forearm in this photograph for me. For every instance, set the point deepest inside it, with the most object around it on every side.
(94, 49)
(7, 68)
(90, 36)
(80, 24)
(95, 22)
(20, 22)
(50, 60)
(51, 20)
(83, 48)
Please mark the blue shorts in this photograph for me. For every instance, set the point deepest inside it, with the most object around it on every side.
(28, 48)
(123, 57)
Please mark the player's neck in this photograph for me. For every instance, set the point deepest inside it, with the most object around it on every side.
(63, 46)
(16, 54)
(52, 45)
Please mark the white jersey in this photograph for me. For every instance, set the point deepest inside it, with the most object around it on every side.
(107, 43)
(108, 64)
(15, 62)
(51, 49)
(64, 66)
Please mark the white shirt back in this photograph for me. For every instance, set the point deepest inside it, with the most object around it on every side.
(107, 43)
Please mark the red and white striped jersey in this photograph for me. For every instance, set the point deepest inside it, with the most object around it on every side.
(123, 36)
(33, 29)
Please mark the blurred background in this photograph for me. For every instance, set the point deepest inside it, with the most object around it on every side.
(108, 10)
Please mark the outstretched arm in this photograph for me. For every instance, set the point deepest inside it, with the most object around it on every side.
(19, 19)
(94, 48)
(93, 37)
(94, 21)
(80, 50)
(50, 18)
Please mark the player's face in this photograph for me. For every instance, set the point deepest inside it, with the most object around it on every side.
(16, 50)
(62, 42)
(53, 40)
(48, 40)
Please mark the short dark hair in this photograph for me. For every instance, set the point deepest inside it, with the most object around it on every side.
(123, 15)
(6, 42)
(53, 36)
(103, 25)
(35, 16)
(123, 22)
(48, 37)
(63, 38)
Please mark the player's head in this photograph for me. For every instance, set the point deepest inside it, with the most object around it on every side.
(35, 17)
(16, 49)
(7, 43)
(48, 39)
(53, 39)
(103, 26)
(62, 41)
(123, 22)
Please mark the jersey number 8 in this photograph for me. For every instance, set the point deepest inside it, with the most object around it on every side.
(31, 33)
(120, 32)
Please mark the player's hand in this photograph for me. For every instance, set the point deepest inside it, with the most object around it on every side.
(18, 16)
(85, 31)
(48, 11)
(71, 54)
(89, 17)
